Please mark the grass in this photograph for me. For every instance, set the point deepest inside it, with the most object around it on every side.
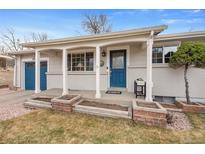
(43, 126)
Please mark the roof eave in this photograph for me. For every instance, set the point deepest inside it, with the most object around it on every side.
(156, 29)
(180, 36)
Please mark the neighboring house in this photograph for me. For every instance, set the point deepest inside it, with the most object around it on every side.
(110, 60)
(5, 62)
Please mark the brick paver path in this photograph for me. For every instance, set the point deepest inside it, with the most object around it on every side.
(11, 103)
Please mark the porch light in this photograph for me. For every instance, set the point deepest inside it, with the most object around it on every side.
(103, 53)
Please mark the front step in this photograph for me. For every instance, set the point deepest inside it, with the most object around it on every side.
(33, 104)
(103, 112)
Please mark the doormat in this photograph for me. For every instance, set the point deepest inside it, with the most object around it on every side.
(113, 92)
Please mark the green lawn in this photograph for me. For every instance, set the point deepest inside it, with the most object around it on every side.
(44, 126)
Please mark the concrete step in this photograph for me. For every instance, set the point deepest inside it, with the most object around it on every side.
(37, 105)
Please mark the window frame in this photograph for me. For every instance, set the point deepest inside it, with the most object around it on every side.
(157, 58)
(81, 52)
(163, 53)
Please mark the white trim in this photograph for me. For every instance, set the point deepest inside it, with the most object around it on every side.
(84, 51)
(80, 50)
(23, 69)
(127, 48)
(149, 83)
(64, 69)
(97, 65)
(15, 73)
(37, 71)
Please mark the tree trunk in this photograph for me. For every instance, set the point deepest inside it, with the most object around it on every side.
(186, 84)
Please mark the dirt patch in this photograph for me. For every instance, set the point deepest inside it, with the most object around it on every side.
(191, 103)
(6, 77)
(42, 99)
(67, 97)
(178, 121)
(148, 105)
(166, 105)
(103, 105)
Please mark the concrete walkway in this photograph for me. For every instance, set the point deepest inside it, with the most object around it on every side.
(11, 103)
(125, 98)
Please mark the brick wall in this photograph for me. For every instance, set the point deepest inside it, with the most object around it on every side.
(63, 107)
(150, 118)
(197, 108)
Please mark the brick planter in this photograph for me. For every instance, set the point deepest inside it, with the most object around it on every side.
(149, 113)
(64, 103)
(197, 108)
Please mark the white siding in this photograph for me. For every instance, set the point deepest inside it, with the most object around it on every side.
(167, 81)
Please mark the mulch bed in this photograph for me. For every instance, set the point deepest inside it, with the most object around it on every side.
(148, 105)
(103, 105)
(179, 121)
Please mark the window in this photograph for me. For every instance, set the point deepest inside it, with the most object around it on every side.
(157, 55)
(80, 61)
(163, 54)
(69, 62)
(168, 52)
(89, 61)
(118, 60)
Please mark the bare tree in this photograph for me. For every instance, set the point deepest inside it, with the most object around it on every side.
(36, 37)
(96, 24)
(2, 49)
(10, 41)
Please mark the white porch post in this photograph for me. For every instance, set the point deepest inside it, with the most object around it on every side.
(149, 83)
(97, 95)
(65, 75)
(37, 71)
(14, 75)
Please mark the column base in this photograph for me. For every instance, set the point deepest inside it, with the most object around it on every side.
(97, 95)
(64, 93)
(37, 91)
(149, 99)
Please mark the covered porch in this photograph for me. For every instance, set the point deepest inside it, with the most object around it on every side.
(98, 43)
(125, 98)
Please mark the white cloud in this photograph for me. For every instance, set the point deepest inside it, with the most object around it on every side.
(170, 21)
(193, 11)
(189, 21)
(196, 11)
(123, 12)
(134, 12)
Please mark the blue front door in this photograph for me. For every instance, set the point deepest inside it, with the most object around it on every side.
(118, 68)
(30, 76)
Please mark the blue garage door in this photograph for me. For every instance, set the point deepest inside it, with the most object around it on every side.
(30, 76)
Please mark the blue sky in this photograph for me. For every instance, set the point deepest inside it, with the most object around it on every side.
(65, 23)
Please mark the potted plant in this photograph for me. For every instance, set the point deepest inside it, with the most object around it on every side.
(189, 54)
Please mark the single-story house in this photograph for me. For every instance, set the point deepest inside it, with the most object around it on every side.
(111, 60)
